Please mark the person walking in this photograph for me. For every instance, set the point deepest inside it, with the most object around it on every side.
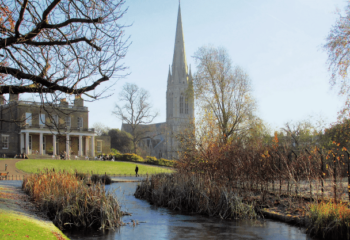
(136, 170)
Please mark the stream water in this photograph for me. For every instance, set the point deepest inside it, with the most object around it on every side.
(161, 223)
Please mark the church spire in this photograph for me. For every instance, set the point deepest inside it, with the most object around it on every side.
(169, 75)
(179, 59)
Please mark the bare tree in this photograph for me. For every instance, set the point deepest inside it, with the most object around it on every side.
(100, 129)
(224, 91)
(61, 47)
(136, 112)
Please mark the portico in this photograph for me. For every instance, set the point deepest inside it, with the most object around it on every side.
(44, 141)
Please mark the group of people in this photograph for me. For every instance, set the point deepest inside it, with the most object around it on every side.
(105, 158)
(22, 155)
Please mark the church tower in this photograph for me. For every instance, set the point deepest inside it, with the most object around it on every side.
(179, 96)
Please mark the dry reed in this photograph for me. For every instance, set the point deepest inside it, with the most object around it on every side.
(195, 194)
(329, 220)
(69, 202)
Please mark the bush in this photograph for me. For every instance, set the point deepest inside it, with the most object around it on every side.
(168, 163)
(115, 153)
(95, 178)
(152, 160)
(105, 179)
(160, 162)
(131, 157)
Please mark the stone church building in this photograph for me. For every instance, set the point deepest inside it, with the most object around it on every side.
(159, 139)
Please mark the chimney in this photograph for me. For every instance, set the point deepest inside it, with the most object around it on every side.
(2, 100)
(13, 97)
(78, 101)
(63, 103)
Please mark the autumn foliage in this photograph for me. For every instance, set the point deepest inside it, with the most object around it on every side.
(257, 163)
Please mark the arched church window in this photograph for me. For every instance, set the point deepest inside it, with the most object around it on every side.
(186, 105)
(181, 104)
(171, 106)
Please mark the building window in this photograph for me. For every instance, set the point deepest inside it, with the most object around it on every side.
(44, 144)
(55, 119)
(181, 104)
(99, 146)
(68, 121)
(29, 119)
(5, 141)
(42, 119)
(186, 105)
(30, 142)
(80, 122)
(171, 106)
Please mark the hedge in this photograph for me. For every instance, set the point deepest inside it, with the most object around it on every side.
(132, 157)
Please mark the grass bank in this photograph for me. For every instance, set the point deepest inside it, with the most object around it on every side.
(97, 167)
(15, 226)
(17, 222)
(195, 194)
(70, 203)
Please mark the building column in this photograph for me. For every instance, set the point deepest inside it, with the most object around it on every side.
(54, 144)
(22, 143)
(41, 144)
(67, 146)
(86, 146)
(92, 146)
(27, 143)
(80, 151)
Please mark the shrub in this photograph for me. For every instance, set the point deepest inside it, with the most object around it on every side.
(115, 153)
(66, 199)
(152, 160)
(168, 163)
(105, 179)
(95, 178)
(160, 162)
(132, 157)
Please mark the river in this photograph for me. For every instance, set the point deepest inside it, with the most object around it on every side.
(161, 223)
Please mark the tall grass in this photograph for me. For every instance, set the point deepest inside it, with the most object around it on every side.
(69, 202)
(195, 194)
(329, 220)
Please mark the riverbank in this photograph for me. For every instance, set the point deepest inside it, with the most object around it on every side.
(163, 223)
(195, 194)
(19, 217)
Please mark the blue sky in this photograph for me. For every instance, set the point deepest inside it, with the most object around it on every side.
(277, 42)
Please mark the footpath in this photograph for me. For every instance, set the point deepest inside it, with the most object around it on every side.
(19, 218)
(11, 168)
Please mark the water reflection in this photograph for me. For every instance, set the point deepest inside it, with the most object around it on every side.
(161, 223)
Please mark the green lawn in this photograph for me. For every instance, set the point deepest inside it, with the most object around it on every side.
(99, 167)
(15, 226)
(17, 223)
